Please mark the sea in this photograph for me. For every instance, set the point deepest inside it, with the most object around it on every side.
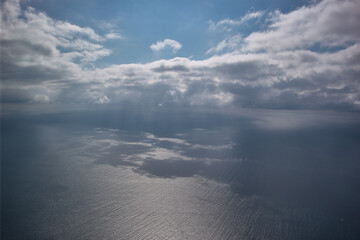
(109, 172)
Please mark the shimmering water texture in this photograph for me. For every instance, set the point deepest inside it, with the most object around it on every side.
(161, 174)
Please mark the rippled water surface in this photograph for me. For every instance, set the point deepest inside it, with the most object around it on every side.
(163, 174)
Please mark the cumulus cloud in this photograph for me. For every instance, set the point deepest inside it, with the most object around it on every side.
(167, 43)
(330, 23)
(32, 61)
(32, 39)
(271, 70)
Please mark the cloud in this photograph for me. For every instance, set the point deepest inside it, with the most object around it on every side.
(330, 23)
(227, 24)
(31, 36)
(113, 36)
(230, 43)
(103, 100)
(174, 45)
(46, 60)
(296, 79)
(112, 29)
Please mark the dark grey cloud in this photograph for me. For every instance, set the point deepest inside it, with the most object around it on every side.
(176, 68)
(22, 47)
(248, 71)
(15, 95)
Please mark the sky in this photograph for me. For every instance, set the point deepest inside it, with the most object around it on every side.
(237, 54)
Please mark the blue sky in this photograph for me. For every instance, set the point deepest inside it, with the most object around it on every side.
(252, 54)
(142, 23)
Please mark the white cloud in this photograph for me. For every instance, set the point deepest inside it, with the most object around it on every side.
(329, 23)
(227, 24)
(103, 100)
(160, 45)
(34, 36)
(11, 10)
(113, 36)
(231, 43)
(107, 26)
(252, 15)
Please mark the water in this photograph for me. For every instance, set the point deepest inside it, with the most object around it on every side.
(109, 173)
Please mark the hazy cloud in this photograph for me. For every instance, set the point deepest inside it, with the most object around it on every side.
(227, 24)
(113, 36)
(230, 44)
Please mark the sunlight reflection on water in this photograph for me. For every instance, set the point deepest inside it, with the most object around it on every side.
(190, 176)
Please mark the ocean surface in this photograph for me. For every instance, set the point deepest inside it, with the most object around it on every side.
(116, 173)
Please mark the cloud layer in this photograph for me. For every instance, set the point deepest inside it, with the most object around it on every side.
(308, 58)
